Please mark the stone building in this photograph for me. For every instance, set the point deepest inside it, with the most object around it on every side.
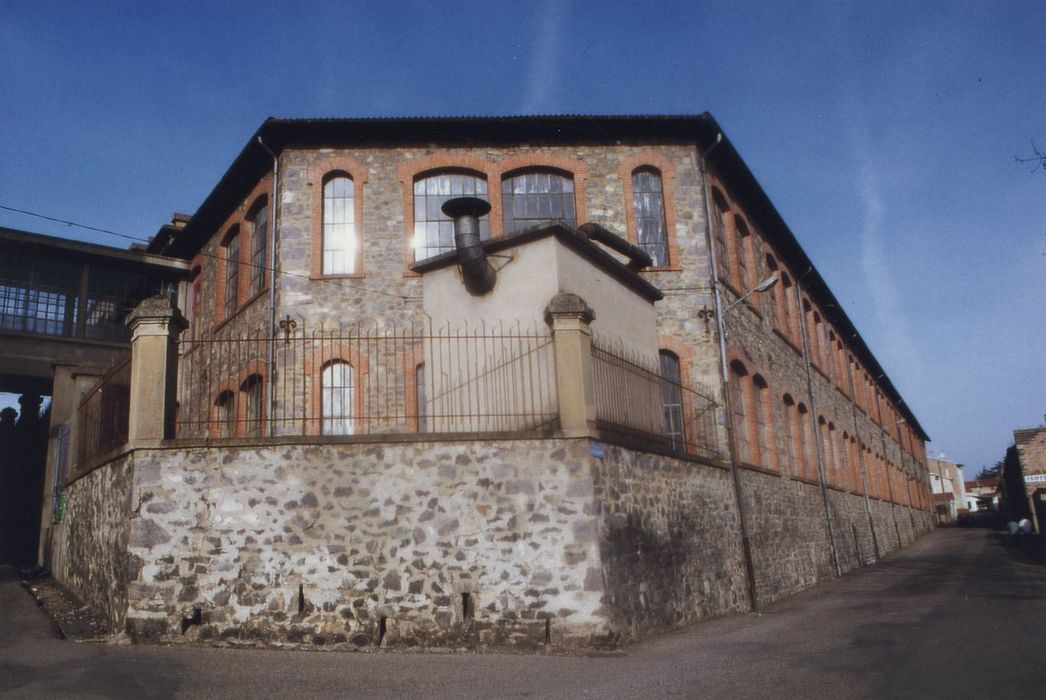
(657, 413)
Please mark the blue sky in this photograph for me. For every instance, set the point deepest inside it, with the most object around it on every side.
(884, 134)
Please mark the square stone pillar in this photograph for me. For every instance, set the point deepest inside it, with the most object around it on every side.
(570, 318)
(155, 325)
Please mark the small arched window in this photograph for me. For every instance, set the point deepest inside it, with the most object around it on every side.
(340, 242)
(338, 395)
(789, 432)
(231, 256)
(806, 444)
(434, 230)
(225, 414)
(534, 197)
(648, 205)
(259, 223)
(672, 397)
(252, 405)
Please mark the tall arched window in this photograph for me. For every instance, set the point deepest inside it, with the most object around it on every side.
(340, 242)
(763, 423)
(789, 431)
(533, 197)
(719, 210)
(648, 204)
(742, 259)
(434, 230)
(740, 405)
(231, 256)
(252, 405)
(338, 394)
(672, 397)
(806, 444)
(826, 446)
(259, 223)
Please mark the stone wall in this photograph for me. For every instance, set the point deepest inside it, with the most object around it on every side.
(670, 541)
(98, 517)
(369, 544)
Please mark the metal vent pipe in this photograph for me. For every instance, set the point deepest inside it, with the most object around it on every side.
(476, 271)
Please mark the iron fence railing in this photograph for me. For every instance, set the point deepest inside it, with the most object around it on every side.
(367, 379)
(635, 402)
(104, 412)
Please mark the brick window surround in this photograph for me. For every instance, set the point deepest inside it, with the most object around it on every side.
(653, 161)
(240, 221)
(320, 170)
(238, 386)
(494, 172)
(314, 367)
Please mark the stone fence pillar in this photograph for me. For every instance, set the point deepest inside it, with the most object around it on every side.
(155, 324)
(569, 316)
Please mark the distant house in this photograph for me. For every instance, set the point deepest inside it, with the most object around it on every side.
(949, 492)
(613, 399)
(1029, 482)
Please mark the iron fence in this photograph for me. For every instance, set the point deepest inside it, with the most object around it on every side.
(104, 412)
(636, 402)
(368, 378)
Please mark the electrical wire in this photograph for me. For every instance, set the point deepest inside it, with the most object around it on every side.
(325, 280)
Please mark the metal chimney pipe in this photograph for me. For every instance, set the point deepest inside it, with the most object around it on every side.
(476, 271)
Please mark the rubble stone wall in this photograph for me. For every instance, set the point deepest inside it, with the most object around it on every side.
(95, 562)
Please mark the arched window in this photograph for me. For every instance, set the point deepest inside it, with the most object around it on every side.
(533, 197)
(719, 210)
(826, 446)
(434, 230)
(338, 394)
(196, 304)
(763, 422)
(252, 405)
(340, 242)
(740, 403)
(672, 397)
(231, 257)
(225, 414)
(259, 223)
(806, 446)
(648, 205)
(743, 270)
(787, 458)
(419, 396)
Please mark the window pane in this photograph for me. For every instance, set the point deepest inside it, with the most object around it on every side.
(648, 207)
(339, 229)
(337, 394)
(438, 227)
(535, 198)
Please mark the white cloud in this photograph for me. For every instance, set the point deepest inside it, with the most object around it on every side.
(546, 53)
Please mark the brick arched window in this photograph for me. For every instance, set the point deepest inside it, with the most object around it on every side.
(434, 230)
(535, 196)
(251, 391)
(743, 268)
(763, 422)
(740, 402)
(341, 245)
(672, 396)
(230, 257)
(807, 446)
(789, 432)
(258, 221)
(826, 446)
(338, 398)
(224, 424)
(719, 233)
(648, 210)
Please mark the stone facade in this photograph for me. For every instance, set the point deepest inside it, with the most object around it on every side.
(521, 541)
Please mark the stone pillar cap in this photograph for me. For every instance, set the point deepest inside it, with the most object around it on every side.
(570, 305)
(156, 307)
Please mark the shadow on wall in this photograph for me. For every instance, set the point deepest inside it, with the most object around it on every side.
(23, 454)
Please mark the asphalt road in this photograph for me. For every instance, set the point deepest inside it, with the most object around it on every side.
(957, 615)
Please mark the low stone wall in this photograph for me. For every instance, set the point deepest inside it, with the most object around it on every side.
(416, 543)
(670, 541)
(94, 557)
(511, 543)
